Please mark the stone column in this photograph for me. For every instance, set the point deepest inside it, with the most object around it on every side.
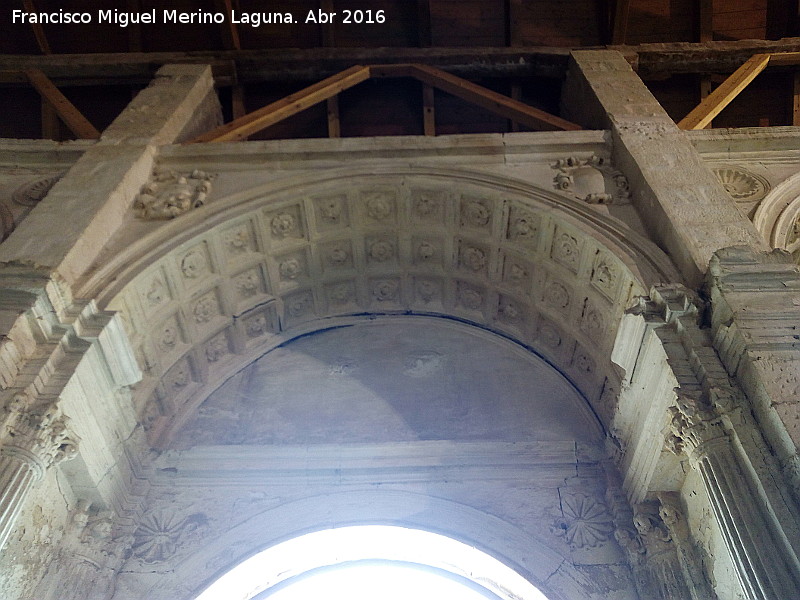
(31, 442)
(754, 541)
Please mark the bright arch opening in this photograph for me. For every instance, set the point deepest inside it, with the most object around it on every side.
(372, 561)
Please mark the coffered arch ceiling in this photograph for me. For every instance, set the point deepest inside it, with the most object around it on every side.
(207, 294)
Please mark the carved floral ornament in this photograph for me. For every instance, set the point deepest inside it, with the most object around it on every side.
(586, 522)
(592, 180)
(162, 534)
(170, 194)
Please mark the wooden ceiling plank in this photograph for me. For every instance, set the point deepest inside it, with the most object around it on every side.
(71, 116)
(725, 93)
(286, 107)
(424, 24)
(796, 100)
(705, 17)
(492, 101)
(38, 30)
(51, 129)
(135, 29)
(619, 28)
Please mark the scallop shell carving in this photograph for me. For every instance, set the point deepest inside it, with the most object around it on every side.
(30, 193)
(742, 185)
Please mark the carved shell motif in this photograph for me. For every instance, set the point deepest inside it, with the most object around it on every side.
(742, 185)
(586, 523)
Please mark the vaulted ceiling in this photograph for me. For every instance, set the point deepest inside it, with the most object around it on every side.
(515, 47)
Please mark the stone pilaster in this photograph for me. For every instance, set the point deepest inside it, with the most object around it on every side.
(757, 547)
(680, 201)
(32, 440)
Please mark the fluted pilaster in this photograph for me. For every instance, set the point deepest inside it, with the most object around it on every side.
(32, 441)
(754, 542)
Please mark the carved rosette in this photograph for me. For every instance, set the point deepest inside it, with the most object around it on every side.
(162, 534)
(586, 523)
(170, 194)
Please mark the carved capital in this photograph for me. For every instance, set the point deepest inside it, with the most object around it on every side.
(39, 436)
(694, 422)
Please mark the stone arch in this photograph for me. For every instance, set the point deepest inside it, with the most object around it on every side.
(555, 575)
(206, 294)
(778, 216)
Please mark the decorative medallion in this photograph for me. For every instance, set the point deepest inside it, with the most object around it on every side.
(741, 184)
(216, 348)
(427, 290)
(206, 308)
(380, 250)
(475, 213)
(523, 226)
(170, 194)
(470, 297)
(427, 204)
(194, 264)
(556, 295)
(591, 180)
(283, 225)
(473, 259)
(385, 290)
(379, 205)
(566, 250)
(290, 268)
(331, 212)
(248, 283)
(256, 326)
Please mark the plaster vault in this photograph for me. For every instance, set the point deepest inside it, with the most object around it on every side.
(531, 343)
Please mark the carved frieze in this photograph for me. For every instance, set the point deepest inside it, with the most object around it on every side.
(170, 194)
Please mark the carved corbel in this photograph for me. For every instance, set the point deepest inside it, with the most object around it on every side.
(169, 194)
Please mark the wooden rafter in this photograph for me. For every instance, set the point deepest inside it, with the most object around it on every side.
(725, 93)
(38, 30)
(490, 100)
(504, 106)
(249, 124)
(71, 116)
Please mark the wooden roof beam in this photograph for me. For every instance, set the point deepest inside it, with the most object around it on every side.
(71, 116)
(313, 64)
(262, 118)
